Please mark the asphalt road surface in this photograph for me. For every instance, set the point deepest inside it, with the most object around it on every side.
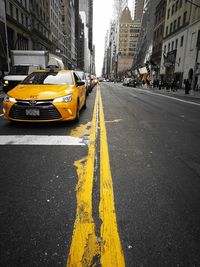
(119, 188)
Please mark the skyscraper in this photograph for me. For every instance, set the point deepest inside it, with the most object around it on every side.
(138, 10)
(119, 5)
(87, 7)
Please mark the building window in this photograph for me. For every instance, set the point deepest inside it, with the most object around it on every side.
(193, 39)
(176, 6)
(182, 38)
(171, 24)
(163, 12)
(172, 45)
(166, 30)
(180, 3)
(184, 17)
(175, 25)
(176, 44)
(17, 14)
(22, 18)
(27, 22)
(173, 7)
(168, 13)
(11, 9)
(179, 22)
(168, 47)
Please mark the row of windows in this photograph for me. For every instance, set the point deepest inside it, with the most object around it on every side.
(174, 8)
(173, 45)
(24, 3)
(15, 13)
(42, 14)
(158, 32)
(160, 16)
(41, 29)
(176, 24)
(22, 42)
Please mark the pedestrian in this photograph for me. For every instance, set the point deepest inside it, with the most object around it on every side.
(159, 85)
(187, 86)
(167, 86)
(177, 85)
(173, 85)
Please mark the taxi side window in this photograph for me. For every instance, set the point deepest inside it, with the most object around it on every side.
(76, 78)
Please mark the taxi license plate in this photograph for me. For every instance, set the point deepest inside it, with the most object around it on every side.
(33, 112)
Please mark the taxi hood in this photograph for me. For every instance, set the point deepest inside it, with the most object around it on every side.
(40, 92)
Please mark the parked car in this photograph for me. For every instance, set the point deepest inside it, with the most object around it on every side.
(126, 81)
(94, 81)
(46, 95)
(84, 78)
(130, 82)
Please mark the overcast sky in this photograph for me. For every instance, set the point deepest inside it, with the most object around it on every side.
(103, 11)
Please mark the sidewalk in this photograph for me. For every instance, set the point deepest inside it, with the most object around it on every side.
(179, 92)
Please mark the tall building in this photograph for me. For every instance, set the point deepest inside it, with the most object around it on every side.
(105, 69)
(4, 65)
(138, 11)
(86, 12)
(56, 26)
(19, 25)
(181, 46)
(125, 43)
(66, 30)
(119, 6)
(158, 34)
(145, 40)
(70, 24)
(87, 7)
(80, 45)
(39, 24)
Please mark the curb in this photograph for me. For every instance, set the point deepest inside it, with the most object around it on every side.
(179, 92)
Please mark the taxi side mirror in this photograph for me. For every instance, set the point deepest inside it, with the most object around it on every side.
(80, 83)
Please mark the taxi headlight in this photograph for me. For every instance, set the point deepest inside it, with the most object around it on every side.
(5, 83)
(9, 99)
(65, 99)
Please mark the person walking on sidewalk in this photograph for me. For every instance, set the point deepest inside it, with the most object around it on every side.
(187, 86)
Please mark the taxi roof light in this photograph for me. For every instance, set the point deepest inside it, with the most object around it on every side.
(55, 64)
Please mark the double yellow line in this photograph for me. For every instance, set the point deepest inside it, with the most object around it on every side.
(86, 248)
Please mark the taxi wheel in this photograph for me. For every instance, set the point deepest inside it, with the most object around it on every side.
(77, 112)
(85, 103)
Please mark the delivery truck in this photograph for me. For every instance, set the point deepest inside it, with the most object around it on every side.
(23, 62)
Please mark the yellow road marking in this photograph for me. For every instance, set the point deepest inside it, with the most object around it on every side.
(111, 250)
(84, 246)
(81, 130)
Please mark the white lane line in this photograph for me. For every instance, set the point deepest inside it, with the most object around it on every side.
(42, 140)
(171, 97)
(134, 95)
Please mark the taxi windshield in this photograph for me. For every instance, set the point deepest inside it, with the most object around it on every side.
(49, 78)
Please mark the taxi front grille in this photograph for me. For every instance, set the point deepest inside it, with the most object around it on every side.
(40, 112)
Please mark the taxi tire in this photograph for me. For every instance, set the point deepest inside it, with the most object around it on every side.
(77, 112)
(85, 103)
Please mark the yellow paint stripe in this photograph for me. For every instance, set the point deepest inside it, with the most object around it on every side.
(84, 246)
(111, 250)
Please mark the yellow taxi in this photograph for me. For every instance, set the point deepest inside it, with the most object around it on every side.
(46, 95)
